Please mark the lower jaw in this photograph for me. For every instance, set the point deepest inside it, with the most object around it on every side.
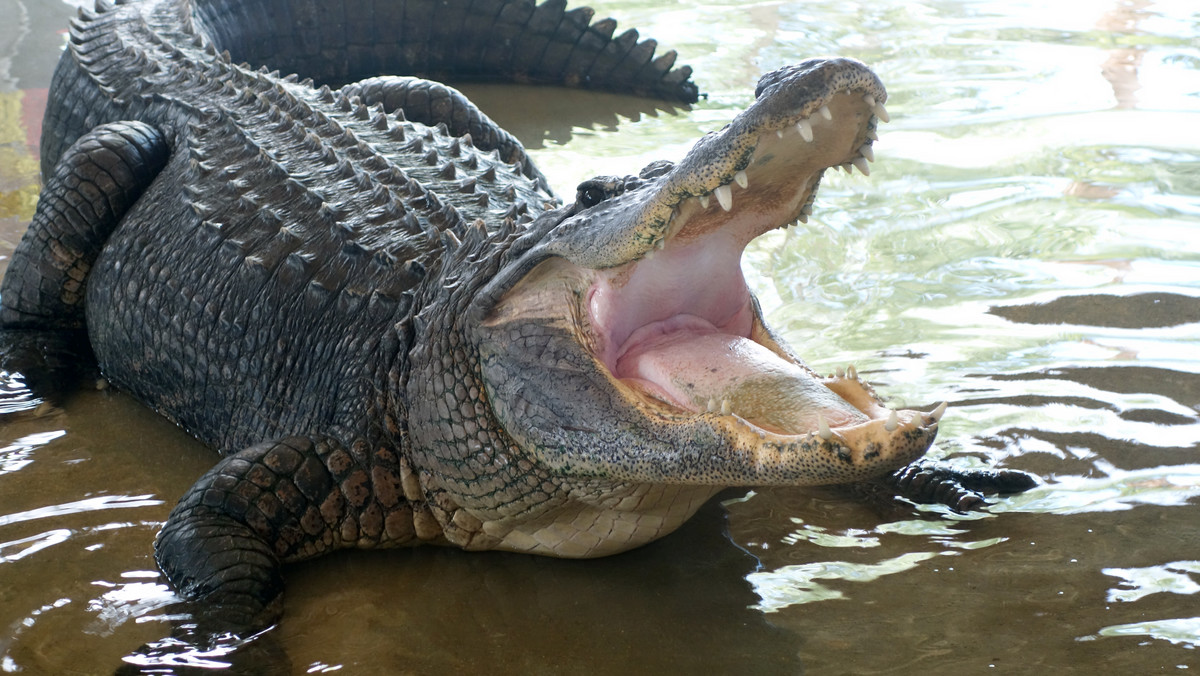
(698, 369)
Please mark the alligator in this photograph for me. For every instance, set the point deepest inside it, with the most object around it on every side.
(364, 295)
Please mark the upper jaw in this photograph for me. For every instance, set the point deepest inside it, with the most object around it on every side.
(767, 163)
(834, 102)
(772, 156)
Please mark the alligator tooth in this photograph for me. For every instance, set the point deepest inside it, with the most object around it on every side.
(869, 99)
(881, 113)
(726, 407)
(845, 167)
(741, 179)
(861, 163)
(712, 405)
(841, 373)
(805, 129)
(824, 112)
(872, 135)
(806, 209)
(802, 218)
(725, 197)
(938, 412)
(867, 152)
(823, 428)
(852, 372)
(661, 244)
(893, 421)
(704, 201)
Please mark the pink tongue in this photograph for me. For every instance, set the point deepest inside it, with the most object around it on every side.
(685, 360)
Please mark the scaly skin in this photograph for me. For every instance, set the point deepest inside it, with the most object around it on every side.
(389, 328)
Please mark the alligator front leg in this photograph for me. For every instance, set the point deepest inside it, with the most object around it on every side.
(274, 503)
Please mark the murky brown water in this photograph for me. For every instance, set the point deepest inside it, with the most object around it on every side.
(1027, 248)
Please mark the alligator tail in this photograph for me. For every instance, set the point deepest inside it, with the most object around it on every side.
(119, 53)
(463, 40)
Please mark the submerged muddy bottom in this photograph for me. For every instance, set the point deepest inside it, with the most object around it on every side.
(1026, 249)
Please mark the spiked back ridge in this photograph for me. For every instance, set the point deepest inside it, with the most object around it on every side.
(483, 40)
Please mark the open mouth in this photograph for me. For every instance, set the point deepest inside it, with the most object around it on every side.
(678, 328)
(661, 368)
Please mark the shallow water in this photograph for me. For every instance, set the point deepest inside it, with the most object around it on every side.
(1027, 248)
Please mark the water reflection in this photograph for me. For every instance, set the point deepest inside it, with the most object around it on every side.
(680, 605)
(14, 550)
(1182, 631)
(1171, 485)
(795, 585)
(541, 116)
(20, 453)
(1138, 583)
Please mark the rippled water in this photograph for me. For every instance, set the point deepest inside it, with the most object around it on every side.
(1027, 248)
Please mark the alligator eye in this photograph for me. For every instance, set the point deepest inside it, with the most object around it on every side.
(590, 195)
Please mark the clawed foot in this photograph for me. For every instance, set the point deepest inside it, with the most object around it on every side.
(959, 489)
(962, 490)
